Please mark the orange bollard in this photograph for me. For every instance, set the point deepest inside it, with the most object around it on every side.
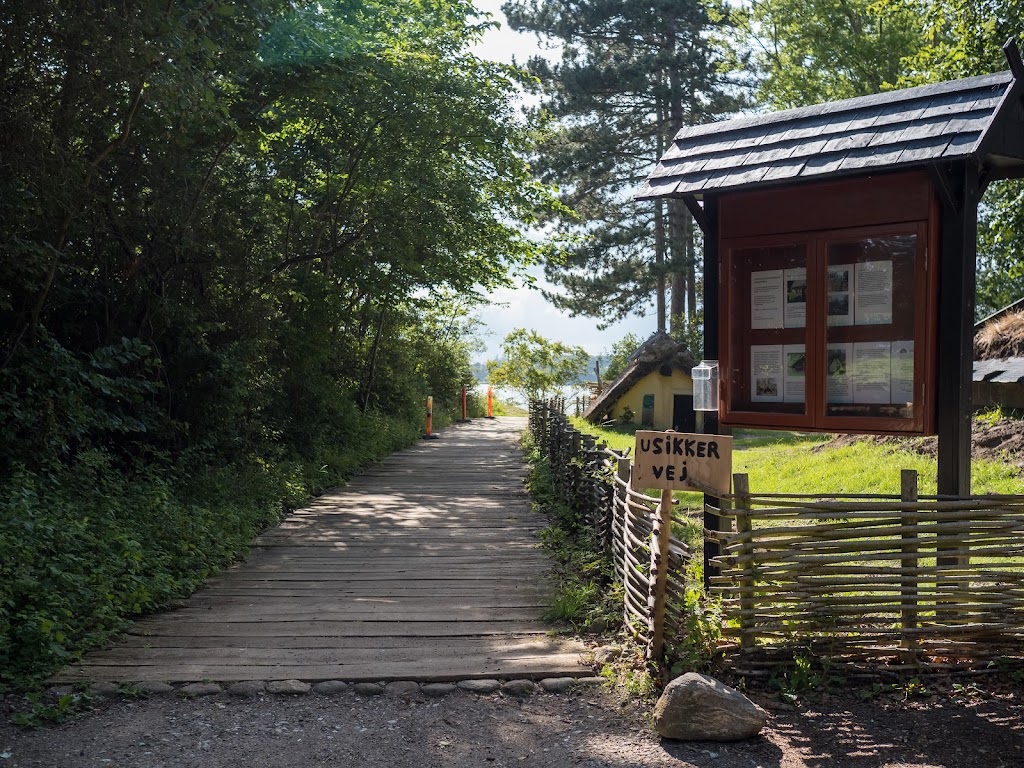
(490, 402)
(464, 418)
(430, 420)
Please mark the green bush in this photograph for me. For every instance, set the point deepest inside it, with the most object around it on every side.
(88, 546)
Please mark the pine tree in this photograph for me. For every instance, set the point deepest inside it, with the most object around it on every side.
(631, 75)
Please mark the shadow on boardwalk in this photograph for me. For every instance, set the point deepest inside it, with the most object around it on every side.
(425, 567)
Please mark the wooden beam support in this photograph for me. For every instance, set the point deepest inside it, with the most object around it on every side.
(941, 176)
(955, 346)
(1012, 54)
(697, 212)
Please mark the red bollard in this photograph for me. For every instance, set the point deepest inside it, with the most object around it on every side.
(430, 420)
(464, 418)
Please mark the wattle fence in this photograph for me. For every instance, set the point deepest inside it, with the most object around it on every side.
(864, 583)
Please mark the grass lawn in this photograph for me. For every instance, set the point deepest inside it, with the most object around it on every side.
(791, 462)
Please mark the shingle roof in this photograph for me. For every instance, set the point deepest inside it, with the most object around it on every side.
(1007, 371)
(897, 129)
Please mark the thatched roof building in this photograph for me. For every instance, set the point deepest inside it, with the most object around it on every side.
(999, 358)
(658, 372)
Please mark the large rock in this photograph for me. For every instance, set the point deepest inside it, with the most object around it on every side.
(699, 708)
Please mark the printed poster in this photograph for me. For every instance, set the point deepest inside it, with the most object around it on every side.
(766, 373)
(871, 371)
(902, 372)
(793, 383)
(840, 294)
(838, 379)
(873, 303)
(766, 299)
(794, 313)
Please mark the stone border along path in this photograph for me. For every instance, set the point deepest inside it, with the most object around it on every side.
(400, 688)
(426, 567)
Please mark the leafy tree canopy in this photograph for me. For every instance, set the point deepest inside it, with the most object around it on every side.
(534, 366)
(621, 351)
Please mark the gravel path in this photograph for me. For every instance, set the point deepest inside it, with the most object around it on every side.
(590, 727)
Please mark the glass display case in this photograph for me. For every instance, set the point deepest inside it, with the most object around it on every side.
(827, 329)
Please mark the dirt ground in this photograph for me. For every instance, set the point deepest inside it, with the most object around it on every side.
(965, 727)
(1002, 440)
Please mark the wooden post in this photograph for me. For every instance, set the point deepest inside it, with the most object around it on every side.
(490, 402)
(429, 435)
(464, 395)
(575, 469)
(660, 533)
(712, 522)
(741, 487)
(908, 563)
(597, 372)
(955, 345)
(625, 473)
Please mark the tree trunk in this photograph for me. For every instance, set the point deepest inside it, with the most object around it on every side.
(679, 216)
(678, 271)
(660, 243)
(659, 262)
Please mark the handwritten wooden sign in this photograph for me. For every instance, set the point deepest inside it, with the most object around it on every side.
(674, 460)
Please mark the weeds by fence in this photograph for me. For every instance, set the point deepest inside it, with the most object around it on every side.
(595, 482)
(861, 582)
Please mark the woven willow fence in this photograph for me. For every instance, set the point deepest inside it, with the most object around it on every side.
(863, 582)
(594, 481)
(922, 582)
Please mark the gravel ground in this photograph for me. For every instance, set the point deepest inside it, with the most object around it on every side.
(586, 728)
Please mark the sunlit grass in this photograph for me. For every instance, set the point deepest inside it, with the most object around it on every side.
(799, 463)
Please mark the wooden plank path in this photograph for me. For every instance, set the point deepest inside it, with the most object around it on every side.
(425, 567)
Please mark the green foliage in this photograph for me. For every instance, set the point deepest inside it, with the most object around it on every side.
(583, 595)
(696, 649)
(806, 676)
(534, 366)
(572, 603)
(239, 246)
(622, 350)
(41, 711)
(813, 51)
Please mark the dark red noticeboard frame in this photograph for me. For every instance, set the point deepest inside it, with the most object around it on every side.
(806, 220)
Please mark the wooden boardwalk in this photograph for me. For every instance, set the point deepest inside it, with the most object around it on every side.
(424, 567)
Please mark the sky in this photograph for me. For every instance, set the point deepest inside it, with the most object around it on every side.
(524, 307)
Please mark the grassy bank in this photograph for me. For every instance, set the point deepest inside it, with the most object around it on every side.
(789, 462)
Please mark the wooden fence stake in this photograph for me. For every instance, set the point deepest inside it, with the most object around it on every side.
(741, 486)
(908, 586)
(660, 532)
